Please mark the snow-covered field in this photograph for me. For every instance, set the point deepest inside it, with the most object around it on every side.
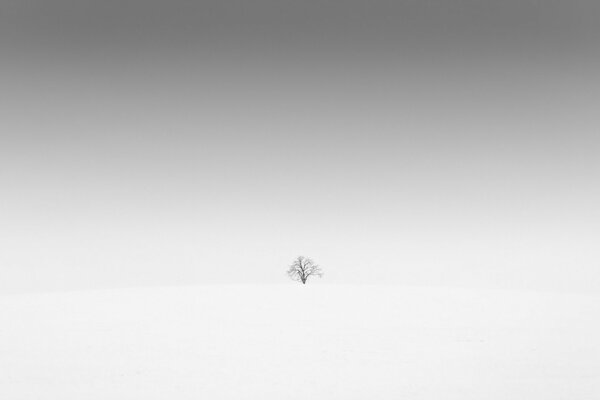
(299, 342)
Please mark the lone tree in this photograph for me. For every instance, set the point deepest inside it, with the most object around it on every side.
(302, 268)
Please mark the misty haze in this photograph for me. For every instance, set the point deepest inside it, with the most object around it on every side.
(388, 199)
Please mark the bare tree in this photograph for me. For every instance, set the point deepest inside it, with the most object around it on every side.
(302, 268)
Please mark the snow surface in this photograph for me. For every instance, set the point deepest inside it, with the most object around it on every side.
(299, 342)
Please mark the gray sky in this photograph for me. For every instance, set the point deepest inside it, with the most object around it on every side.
(419, 142)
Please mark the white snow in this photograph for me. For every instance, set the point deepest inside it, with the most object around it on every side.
(299, 342)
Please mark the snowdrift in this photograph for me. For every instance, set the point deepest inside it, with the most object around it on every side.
(299, 342)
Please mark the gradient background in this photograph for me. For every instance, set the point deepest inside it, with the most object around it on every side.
(433, 142)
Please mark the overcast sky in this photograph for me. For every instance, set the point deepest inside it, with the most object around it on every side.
(424, 142)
